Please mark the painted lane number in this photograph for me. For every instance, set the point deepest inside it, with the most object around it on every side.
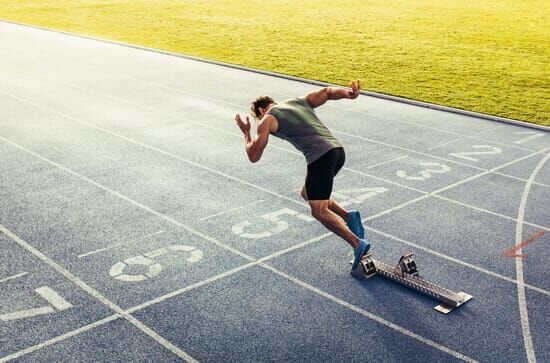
(357, 196)
(274, 217)
(431, 168)
(147, 260)
(533, 135)
(55, 303)
(467, 155)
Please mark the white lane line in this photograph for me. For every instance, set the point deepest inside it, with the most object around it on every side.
(408, 150)
(294, 152)
(492, 129)
(162, 298)
(59, 338)
(14, 277)
(524, 315)
(239, 269)
(520, 179)
(202, 124)
(369, 315)
(191, 287)
(387, 162)
(229, 177)
(213, 128)
(118, 244)
(450, 186)
(379, 142)
(397, 207)
(474, 137)
(444, 144)
(484, 173)
(231, 210)
(96, 294)
(283, 149)
(541, 151)
(146, 146)
(239, 106)
(148, 331)
(131, 201)
(98, 250)
(222, 174)
(235, 135)
(489, 212)
(458, 261)
(29, 313)
(227, 273)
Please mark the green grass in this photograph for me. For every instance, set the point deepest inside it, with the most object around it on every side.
(486, 56)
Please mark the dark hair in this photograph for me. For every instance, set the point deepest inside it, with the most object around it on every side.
(260, 102)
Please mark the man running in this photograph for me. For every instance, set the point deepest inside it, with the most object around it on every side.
(296, 121)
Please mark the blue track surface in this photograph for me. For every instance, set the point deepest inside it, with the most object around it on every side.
(133, 227)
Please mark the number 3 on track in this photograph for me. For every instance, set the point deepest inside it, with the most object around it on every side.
(432, 168)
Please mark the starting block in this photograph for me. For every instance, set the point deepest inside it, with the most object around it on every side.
(406, 273)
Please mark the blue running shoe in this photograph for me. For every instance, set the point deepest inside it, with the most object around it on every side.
(355, 225)
(361, 249)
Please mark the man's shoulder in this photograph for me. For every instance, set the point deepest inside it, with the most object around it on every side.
(291, 103)
(300, 100)
(268, 122)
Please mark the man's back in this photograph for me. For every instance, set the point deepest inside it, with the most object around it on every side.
(298, 123)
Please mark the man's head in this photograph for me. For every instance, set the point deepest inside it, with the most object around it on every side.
(260, 106)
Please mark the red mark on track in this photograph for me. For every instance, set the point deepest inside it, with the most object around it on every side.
(512, 252)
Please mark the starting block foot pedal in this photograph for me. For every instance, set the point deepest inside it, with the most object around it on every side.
(446, 309)
(365, 269)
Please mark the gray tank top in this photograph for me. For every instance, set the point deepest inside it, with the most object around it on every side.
(299, 124)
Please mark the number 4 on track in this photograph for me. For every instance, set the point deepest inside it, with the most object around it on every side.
(357, 196)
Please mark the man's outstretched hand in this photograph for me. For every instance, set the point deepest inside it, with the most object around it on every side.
(355, 89)
(243, 125)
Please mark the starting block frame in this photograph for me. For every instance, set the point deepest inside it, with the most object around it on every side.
(406, 274)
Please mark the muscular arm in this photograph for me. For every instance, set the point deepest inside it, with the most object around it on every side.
(255, 147)
(320, 97)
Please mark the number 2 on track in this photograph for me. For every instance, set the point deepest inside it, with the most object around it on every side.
(467, 155)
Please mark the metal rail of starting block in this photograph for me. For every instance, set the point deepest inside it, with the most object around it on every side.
(406, 273)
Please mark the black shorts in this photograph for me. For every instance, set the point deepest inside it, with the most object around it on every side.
(321, 173)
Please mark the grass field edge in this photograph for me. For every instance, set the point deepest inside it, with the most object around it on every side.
(379, 95)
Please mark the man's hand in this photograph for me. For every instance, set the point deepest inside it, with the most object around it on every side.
(243, 125)
(355, 89)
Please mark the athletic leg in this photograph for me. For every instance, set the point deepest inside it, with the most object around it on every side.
(352, 217)
(338, 209)
(333, 222)
(318, 187)
(332, 205)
